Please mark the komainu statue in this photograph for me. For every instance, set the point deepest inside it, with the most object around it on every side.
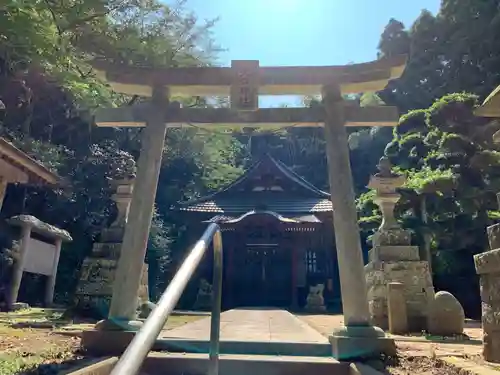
(204, 297)
(315, 300)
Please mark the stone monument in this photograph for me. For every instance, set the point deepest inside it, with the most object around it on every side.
(315, 300)
(393, 259)
(396, 308)
(95, 287)
(488, 268)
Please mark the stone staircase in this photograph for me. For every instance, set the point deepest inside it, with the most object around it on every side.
(253, 342)
(163, 363)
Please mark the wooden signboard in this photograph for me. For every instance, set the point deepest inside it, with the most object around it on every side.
(40, 257)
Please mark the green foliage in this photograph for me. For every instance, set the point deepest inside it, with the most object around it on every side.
(428, 180)
(370, 215)
(454, 51)
(452, 172)
(413, 121)
(394, 40)
(453, 113)
(48, 90)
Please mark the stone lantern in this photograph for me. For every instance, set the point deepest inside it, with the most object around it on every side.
(98, 270)
(392, 259)
(122, 181)
(122, 199)
(385, 183)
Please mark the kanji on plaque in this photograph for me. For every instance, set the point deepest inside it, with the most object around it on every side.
(245, 85)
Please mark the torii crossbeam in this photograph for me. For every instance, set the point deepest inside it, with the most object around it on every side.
(244, 81)
(137, 116)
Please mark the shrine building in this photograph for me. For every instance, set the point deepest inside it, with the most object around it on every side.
(277, 235)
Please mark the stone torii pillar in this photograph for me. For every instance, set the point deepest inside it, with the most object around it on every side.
(128, 275)
(358, 338)
(345, 219)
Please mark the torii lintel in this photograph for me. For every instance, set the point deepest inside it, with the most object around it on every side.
(274, 80)
(137, 116)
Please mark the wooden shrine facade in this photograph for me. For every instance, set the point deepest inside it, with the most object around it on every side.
(277, 234)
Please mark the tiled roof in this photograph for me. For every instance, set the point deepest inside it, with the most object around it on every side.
(301, 196)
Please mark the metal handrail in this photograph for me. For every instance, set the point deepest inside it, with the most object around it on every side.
(135, 354)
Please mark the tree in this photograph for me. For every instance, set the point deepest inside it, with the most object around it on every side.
(442, 152)
(48, 91)
(454, 51)
(394, 40)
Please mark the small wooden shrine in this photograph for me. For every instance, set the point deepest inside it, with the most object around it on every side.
(17, 167)
(277, 235)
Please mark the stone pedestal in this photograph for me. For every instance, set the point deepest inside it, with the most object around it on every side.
(353, 343)
(393, 259)
(488, 268)
(398, 263)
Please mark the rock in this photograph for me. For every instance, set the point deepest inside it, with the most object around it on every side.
(446, 315)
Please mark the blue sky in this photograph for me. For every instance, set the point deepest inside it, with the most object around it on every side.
(304, 32)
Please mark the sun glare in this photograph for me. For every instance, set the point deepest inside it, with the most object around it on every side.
(280, 7)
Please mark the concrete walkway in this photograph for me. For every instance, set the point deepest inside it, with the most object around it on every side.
(262, 325)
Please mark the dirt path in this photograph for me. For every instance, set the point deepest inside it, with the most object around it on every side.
(30, 340)
(325, 323)
(418, 356)
(422, 366)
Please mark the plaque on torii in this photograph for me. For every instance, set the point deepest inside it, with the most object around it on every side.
(244, 90)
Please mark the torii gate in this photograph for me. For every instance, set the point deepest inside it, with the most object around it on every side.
(244, 81)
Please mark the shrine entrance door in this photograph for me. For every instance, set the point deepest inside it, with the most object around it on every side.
(262, 269)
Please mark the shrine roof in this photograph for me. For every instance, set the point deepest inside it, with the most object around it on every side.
(268, 185)
(35, 171)
(224, 219)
